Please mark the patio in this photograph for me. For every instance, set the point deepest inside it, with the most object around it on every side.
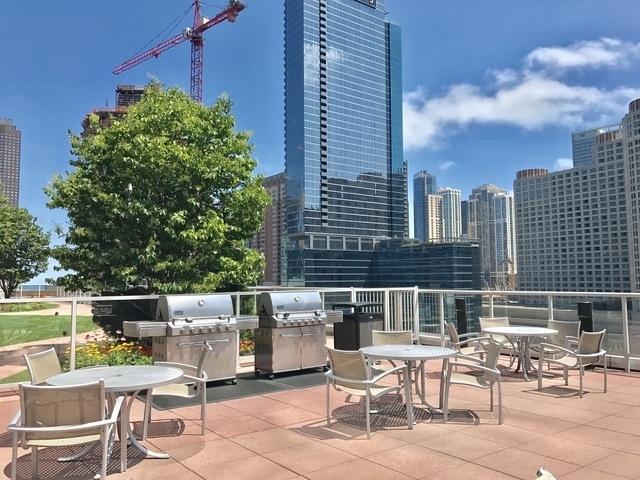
(283, 435)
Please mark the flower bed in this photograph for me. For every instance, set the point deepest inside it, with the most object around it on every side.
(112, 351)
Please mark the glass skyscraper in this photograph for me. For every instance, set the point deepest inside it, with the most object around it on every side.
(582, 144)
(346, 175)
(424, 183)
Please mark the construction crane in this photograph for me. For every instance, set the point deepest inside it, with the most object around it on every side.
(194, 35)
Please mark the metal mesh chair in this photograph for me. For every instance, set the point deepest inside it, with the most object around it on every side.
(544, 474)
(351, 373)
(42, 365)
(490, 375)
(506, 342)
(467, 343)
(568, 332)
(192, 384)
(589, 350)
(62, 416)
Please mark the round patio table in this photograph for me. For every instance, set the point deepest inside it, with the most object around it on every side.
(412, 354)
(523, 336)
(126, 380)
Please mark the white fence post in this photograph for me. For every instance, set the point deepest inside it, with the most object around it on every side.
(386, 310)
(416, 314)
(441, 315)
(74, 328)
(550, 306)
(490, 305)
(353, 295)
(625, 335)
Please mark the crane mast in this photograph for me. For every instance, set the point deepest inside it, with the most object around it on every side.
(196, 37)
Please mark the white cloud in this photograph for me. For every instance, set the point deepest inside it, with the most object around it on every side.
(605, 52)
(563, 163)
(525, 98)
(446, 165)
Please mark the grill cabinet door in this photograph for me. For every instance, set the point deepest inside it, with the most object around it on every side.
(286, 349)
(313, 346)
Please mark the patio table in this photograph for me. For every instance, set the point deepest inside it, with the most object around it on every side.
(128, 380)
(523, 335)
(412, 354)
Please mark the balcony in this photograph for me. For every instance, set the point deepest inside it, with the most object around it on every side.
(278, 430)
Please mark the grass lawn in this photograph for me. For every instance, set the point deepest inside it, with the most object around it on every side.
(26, 307)
(22, 376)
(29, 328)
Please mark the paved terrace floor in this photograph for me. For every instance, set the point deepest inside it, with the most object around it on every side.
(283, 436)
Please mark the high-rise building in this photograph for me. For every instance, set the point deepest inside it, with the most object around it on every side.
(572, 227)
(424, 183)
(270, 240)
(631, 150)
(451, 217)
(583, 142)
(10, 139)
(346, 175)
(464, 217)
(434, 218)
(491, 222)
(126, 95)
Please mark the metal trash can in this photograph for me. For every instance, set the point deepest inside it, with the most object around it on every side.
(357, 325)
(585, 315)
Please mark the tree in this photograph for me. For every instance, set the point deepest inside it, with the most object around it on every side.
(164, 198)
(24, 247)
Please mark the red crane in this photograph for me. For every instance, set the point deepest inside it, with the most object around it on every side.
(194, 35)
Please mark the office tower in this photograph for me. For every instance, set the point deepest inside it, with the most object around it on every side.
(10, 138)
(270, 239)
(434, 218)
(582, 144)
(491, 222)
(424, 183)
(346, 175)
(464, 217)
(572, 227)
(451, 217)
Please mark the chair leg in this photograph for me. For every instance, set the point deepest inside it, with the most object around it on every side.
(327, 400)
(540, 359)
(14, 455)
(500, 416)
(203, 407)
(34, 462)
(605, 373)
(566, 376)
(491, 401)
(367, 403)
(581, 373)
(106, 435)
(444, 396)
(147, 414)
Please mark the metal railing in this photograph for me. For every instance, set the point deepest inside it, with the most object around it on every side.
(424, 311)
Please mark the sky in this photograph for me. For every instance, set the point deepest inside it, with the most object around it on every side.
(490, 86)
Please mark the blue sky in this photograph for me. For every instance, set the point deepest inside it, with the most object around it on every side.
(491, 86)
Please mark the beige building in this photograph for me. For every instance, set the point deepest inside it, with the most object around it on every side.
(270, 240)
(434, 217)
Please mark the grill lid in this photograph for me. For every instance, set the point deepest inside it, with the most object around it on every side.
(273, 303)
(179, 307)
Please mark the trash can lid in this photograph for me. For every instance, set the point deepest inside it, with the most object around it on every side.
(357, 305)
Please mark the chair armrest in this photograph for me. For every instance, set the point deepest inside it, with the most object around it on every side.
(182, 366)
(591, 355)
(470, 358)
(465, 335)
(477, 340)
(15, 421)
(197, 379)
(475, 367)
(385, 373)
(65, 428)
(560, 349)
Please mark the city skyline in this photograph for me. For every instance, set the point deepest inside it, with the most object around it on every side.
(474, 150)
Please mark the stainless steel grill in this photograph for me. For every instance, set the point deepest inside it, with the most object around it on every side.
(292, 332)
(184, 322)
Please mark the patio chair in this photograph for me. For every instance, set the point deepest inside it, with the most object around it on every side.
(192, 384)
(467, 343)
(480, 374)
(589, 350)
(506, 342)
(395, 337)
(568, 333)
(42, 365)
(544, 474)
(351, 373)
(61, 417)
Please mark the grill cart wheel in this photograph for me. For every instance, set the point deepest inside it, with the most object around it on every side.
(234, 381)
(256, 373)
(270, 376)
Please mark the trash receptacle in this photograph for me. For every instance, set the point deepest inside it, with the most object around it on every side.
(355, 330)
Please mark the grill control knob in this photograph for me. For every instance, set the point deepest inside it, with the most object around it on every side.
(218, 327)
(299, 322)
(227, 327)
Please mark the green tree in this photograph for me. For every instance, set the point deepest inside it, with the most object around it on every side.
(24, 247)
(164, 198)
